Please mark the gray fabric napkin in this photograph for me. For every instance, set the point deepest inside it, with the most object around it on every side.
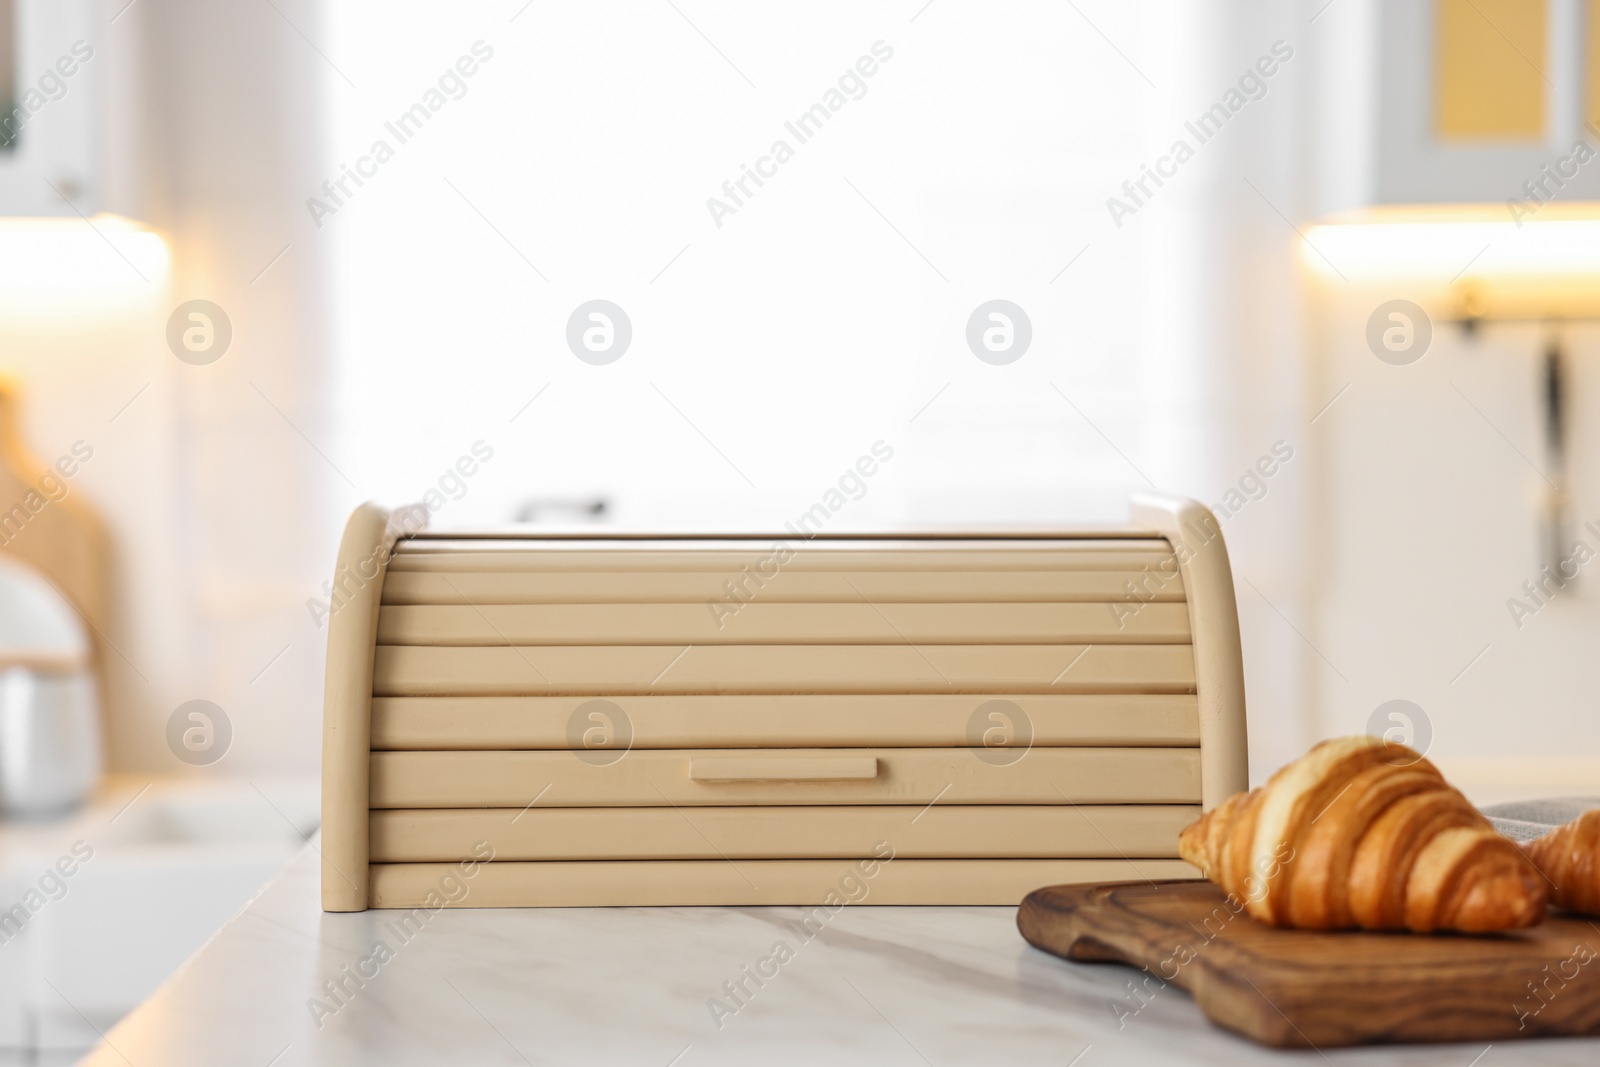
(1524, 820)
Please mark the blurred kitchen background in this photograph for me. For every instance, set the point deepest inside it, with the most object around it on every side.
(262, 260)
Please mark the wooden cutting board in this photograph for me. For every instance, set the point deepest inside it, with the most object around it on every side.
(1296, 988)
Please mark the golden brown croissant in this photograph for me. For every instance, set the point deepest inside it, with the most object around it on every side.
(1360, 832)
(1569, 857)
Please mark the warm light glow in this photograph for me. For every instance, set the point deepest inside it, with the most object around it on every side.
(50, 266)
(1447, 246)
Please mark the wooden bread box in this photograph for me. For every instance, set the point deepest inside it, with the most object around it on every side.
(632, 719)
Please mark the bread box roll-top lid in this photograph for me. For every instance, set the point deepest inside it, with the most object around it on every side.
(532, 717)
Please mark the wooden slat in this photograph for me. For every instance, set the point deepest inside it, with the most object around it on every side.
(765, 561)
(831, 624)
(579, 534)
(787, 720)
(768, 544)
(586, 539)
(944, 831)
(408, 670)
(906, 776)
(745, 883)
(846, 587)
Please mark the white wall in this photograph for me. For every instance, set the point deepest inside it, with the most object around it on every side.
(1421, 513)
(798, 332)
(221, 517)
(1430, 507)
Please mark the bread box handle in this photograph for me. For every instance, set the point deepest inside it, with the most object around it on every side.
(782, 768)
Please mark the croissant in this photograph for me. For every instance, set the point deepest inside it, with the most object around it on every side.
(1569, 857)
(1360, 832)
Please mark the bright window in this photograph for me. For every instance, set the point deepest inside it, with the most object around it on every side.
(829, 309)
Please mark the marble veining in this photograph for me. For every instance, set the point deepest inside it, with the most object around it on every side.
(872, 985)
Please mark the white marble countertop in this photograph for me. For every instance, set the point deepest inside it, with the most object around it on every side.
(876, 985)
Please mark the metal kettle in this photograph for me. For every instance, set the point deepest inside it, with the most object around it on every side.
(50, 744)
